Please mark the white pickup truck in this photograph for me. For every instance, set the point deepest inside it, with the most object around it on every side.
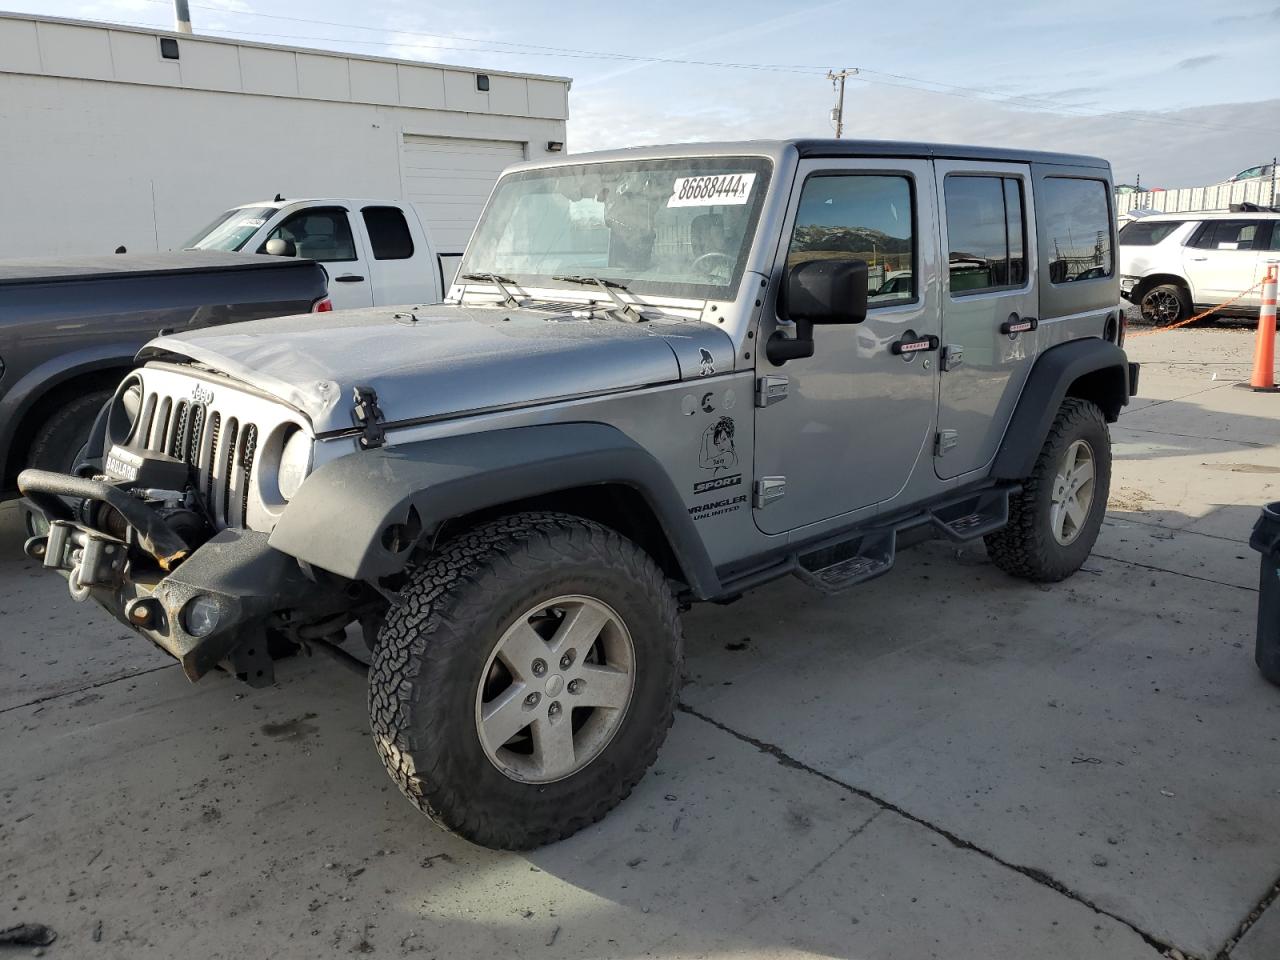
(376, 252)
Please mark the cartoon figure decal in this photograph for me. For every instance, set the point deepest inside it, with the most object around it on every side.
(707, 361)
(718, 454)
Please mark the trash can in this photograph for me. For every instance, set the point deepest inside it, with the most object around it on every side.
(1266, 540)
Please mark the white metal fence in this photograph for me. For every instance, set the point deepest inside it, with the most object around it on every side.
(1264, 191)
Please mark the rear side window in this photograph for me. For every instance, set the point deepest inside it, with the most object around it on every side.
(986, 233)
(1230, 235)
(1142, 233)
(388, 233)
(321, 233)
(1074, 216)
(867, 216)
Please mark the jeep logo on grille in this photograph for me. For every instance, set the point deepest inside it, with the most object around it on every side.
(201, 395)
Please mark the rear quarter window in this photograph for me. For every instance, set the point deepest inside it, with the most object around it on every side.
(1073, 215)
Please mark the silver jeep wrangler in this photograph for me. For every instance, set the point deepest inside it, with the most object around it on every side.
(663, 376)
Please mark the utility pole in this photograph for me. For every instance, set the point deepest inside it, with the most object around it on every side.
(182, 15)
(837, 81)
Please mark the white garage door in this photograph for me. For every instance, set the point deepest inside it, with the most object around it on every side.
(448, 179)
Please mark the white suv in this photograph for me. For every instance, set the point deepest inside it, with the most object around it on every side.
(1174, 263)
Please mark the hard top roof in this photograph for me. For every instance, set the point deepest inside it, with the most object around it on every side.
(810, 148)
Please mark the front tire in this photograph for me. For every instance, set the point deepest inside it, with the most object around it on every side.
(526, 680)
(1054, 521)
(1165, 303)
(59, 442)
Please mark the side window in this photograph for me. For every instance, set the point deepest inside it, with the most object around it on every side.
(867, 216)
(1229, 235)
(1073, 216)
(388, 233)
(986, 233)
(320, 234)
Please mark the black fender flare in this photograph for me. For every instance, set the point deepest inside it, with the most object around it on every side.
(1100, 365)
(337, 519)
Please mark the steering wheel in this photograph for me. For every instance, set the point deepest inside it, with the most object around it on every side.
(698, 262)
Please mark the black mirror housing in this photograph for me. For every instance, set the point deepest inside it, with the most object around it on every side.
(827, 291)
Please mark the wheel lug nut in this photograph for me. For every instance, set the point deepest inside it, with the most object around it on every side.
(567, 660)
(575, 686)
(532, 699)
(554, 709)
(539, 667)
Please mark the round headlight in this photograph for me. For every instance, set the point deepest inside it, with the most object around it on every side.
(200, 616)
(295, 463)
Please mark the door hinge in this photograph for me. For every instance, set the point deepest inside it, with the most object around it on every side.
(952, 356)
(767, 490)
(944, 441)
(771, 389)
(367, 415)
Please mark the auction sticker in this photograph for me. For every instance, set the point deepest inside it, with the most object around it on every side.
(712, 191)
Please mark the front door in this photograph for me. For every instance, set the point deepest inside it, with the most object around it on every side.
(1223, 260)
(324, 234)
(988, 300)
(856, 417)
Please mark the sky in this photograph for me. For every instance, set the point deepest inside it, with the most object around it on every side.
(1181, 94)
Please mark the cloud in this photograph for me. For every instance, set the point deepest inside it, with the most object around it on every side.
(1192, 63)
(1170, 149)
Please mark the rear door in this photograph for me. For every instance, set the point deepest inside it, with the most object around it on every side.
(403, 272)
(325, 234)
(988, 297)
(1223, 260)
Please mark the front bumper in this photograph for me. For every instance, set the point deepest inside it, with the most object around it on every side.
(1127, 285)
(236, 570)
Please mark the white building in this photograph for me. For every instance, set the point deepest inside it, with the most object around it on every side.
(113, 135)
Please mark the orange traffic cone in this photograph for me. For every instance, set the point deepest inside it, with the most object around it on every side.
(1264, 347)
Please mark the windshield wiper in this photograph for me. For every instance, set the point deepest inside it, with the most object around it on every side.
(509, 299)
(621, 308)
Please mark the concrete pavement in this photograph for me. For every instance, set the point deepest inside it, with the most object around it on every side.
(943, 763)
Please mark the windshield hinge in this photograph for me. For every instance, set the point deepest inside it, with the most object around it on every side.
(367, 415)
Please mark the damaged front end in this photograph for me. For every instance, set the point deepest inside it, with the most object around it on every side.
(141, 540)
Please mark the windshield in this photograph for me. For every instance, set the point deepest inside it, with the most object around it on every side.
(678, 227)
(230, 230)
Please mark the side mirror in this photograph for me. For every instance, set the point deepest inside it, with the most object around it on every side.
(279, 247)
(818, 291)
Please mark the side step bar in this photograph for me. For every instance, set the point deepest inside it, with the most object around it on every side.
(835, 565)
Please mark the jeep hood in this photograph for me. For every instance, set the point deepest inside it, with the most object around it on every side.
(447, 360)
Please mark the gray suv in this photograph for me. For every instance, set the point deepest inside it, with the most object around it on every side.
(660, 379)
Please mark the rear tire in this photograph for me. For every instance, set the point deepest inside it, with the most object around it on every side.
(489, 622)
(59, 441)
(1046, 540)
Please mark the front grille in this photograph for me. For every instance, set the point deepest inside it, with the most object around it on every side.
(220, 449)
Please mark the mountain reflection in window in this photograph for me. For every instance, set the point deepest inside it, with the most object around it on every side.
(865, 217)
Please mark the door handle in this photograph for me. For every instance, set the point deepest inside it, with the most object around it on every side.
(912, 343)
(1199, 259)
(1016, 324)
(349, 278)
